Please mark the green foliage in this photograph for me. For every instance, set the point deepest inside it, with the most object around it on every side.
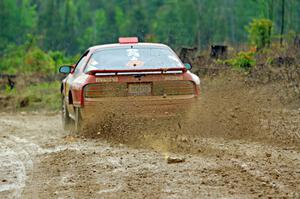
(71, 26)
(22, 59)
(175, 23)
(44, 95)
(260, 31)
(38, 96)
(60, 59)
(31, 59)
(17, 19)
(243, 60)
(36, 60)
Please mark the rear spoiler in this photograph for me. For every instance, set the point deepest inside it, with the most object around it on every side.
(116, 72)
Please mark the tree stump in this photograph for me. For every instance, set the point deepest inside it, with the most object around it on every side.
(7, 80)
(187, 54)
(218, 52)
(297, 42)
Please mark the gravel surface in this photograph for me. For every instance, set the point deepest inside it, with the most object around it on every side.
(39, 160)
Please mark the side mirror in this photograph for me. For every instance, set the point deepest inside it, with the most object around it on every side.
(188, 66)
(65, 69)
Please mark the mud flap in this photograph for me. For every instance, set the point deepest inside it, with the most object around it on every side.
(66, 119)
(78, 121)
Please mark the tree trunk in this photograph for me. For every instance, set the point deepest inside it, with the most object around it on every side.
(282, 21)
(271, 9)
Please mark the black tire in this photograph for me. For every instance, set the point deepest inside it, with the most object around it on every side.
(66, 120)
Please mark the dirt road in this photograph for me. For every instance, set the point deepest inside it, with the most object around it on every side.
(234, 147)
(39, 160)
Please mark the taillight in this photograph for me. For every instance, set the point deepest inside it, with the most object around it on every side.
(173, 88)
(105, 90)
(157, 88)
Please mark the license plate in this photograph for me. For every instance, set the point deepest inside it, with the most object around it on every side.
(139, 89)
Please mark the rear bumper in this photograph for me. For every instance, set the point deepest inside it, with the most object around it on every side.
(140, 106)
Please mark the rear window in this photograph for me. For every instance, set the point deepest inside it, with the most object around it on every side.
(127, 58)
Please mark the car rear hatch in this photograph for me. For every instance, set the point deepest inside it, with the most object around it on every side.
(139, 83)
(155, 88)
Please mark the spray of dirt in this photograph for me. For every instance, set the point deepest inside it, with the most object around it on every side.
(228, 108)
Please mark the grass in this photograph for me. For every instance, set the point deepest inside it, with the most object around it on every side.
(41, 96)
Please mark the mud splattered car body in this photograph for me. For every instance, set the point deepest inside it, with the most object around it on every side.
(127, 74)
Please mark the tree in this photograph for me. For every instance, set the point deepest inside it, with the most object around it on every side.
(70, 25)
(50, 25)
(282, 21)
(260, 32)
(16, 21)
(73, 25)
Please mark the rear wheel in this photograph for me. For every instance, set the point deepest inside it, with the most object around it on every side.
(66, 120)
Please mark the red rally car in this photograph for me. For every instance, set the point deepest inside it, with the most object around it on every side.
(129, 71)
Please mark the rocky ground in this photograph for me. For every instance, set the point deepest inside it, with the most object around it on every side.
(239, 142)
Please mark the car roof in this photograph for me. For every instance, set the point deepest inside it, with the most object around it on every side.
(98, 47)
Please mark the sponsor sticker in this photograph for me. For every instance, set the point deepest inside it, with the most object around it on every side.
(133, 53)
(107, 79)
(173, 78)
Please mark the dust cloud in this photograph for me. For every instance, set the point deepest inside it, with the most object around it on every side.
(228, 108)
